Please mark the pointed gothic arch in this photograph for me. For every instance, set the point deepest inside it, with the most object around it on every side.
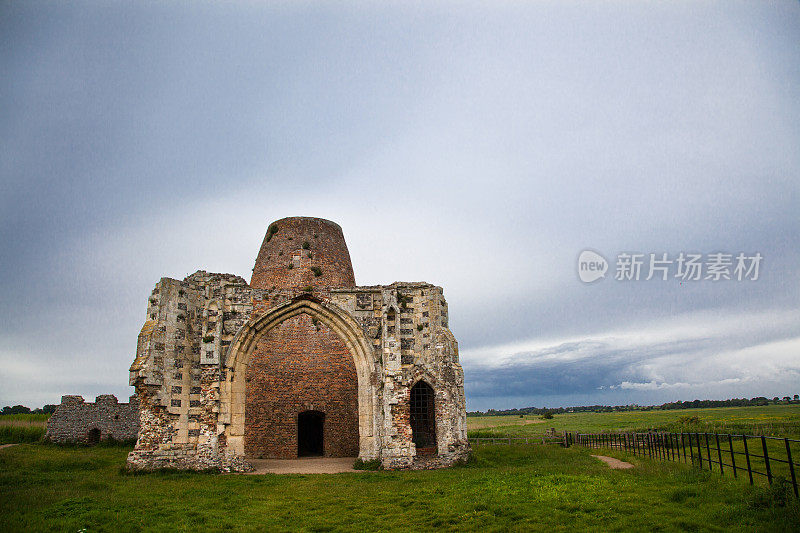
(232, 389)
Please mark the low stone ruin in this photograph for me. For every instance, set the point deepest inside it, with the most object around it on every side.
(78, 422)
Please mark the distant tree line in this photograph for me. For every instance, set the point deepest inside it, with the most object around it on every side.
(694, 404)
(22, 410)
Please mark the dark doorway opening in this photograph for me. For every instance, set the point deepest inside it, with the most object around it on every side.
(310, 425)
(423, 418)
(93, 437)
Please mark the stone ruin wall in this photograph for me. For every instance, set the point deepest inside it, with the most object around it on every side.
(177, 369)
(191, 324)
(182, 378)
(74, 418)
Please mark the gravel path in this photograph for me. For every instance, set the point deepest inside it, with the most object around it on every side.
(305, 465)
(614, 463)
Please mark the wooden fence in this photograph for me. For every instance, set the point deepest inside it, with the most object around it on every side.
(760, 457)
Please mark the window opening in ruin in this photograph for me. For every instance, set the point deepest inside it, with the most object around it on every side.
(423, 418)
(390, 322)
(93, 437)
(310, 425)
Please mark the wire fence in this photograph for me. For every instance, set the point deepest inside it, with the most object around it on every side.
(757, 456)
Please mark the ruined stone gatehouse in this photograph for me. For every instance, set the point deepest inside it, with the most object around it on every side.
(300, 361)
(80, 422)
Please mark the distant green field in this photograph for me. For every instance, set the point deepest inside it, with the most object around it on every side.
(22, 427)
(26, 417)
(504, 488)
(774, 420)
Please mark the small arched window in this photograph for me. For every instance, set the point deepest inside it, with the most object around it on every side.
(423, 418)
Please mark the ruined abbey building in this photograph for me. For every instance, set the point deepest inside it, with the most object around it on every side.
(299, 362)
(76, 421)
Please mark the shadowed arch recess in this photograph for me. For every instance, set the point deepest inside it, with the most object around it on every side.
(233, 391)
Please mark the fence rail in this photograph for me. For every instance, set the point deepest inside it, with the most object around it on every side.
(759, 456)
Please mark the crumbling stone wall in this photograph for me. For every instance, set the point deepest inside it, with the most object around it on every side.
(202, 357)
(76, 421)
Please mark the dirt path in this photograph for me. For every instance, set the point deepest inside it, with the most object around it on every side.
(614, 463)
(306, 465)
(2, 446)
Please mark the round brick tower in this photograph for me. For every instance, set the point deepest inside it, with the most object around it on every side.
(301, 252)
(301, 371)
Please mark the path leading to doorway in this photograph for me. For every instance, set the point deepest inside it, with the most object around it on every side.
(304, 465)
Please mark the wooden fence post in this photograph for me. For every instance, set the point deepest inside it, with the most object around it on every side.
(766, 458)
(708, 454)
(747, 456)
(676, 449)
(683, 443)
(719, 455)
(733, 455)
(668, 444)
(791, 465)
(699, 450)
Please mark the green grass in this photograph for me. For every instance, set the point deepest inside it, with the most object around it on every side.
(25, 417)
(47, 488)
(773, 420)
(22, 427)
(14, 434)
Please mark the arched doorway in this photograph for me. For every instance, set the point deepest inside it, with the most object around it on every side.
(310, 433)
(93, 437)
(300, 365)
(423, 418)
(233, 390)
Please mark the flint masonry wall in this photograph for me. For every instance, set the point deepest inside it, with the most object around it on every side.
(74, 419)
(207, 361)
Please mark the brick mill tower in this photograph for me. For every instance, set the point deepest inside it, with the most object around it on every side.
(298, 362)
(301, 379)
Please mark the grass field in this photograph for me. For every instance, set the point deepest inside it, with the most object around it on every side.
(22, 427)
(775, 420)
(47, 488)
(32, 418)
(772, 420)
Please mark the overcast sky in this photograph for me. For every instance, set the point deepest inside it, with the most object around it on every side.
(477, 146)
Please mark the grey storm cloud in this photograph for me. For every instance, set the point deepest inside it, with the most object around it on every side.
(480, 147)
(672, 357)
